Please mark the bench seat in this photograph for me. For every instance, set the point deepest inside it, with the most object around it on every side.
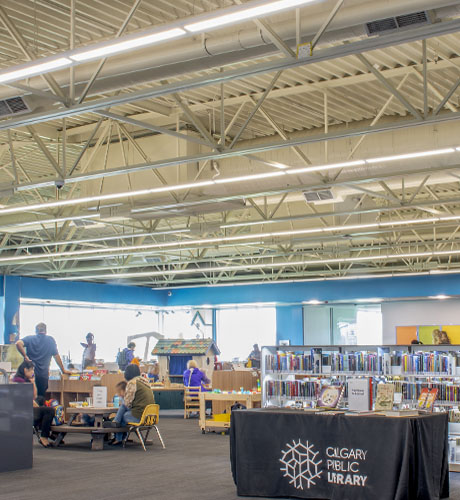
(97, 433)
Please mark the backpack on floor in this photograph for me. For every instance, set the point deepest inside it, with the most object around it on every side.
(59, 415)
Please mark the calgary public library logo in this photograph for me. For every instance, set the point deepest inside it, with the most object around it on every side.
(302, 465)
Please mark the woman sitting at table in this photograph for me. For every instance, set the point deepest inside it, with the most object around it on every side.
(43, 416)
(194, 377)
(138, 395)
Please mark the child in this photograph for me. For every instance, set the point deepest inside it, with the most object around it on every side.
(121, 389)
(153, 372)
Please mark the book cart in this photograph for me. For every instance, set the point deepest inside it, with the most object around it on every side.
(293, 375)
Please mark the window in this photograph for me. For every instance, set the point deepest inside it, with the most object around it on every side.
(69, 324)
(186, 324)
(240, 328)
(348, 324)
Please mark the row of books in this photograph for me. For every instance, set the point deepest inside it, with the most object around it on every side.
(366, 362)
(287, 361)
(291, 389)
(412, 390)
(426, 362)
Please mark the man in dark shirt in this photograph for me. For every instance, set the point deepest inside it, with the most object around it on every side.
(254, 357)
(40, 348)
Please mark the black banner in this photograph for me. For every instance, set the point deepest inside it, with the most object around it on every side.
(290, 453)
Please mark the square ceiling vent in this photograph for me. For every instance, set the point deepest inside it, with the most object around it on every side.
(321, 196)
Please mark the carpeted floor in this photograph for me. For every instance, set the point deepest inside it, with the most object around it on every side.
(193, 466)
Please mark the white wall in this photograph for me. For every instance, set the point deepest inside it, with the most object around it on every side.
(418, 312)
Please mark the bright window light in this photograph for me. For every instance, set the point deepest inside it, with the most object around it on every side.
(36, 69)
(408, 156)
(134, 43)
(264, 9)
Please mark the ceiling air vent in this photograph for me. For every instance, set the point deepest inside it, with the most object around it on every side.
(382, 26)
(320, 196)
(83, 222)
(13, 106)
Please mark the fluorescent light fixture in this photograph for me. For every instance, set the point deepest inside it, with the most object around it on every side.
(374, 300)
(251, 239)
(313, 302)
(330, 166)
(36, 69)
(263, 9)
(440, 297)
(273, 265)
(408, 156)
(243, 178)
(164, 189)
(133, 43)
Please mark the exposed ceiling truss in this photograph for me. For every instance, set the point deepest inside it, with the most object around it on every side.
(173, 174)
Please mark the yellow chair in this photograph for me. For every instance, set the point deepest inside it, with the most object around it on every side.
(148, 421)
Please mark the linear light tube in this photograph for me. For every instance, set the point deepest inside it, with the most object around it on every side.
(244, 14)
(325, 167)
(134, 43)
(258, 237)
(19, 74)
(250, 177)
(408, 156)
(177, 187)
(273, 265)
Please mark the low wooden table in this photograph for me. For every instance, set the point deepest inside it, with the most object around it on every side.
(97, 432)
(97, 413)
(209, 424)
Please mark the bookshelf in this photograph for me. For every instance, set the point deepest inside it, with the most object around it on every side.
(294, 375)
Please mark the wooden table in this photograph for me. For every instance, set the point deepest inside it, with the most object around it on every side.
(97, 413)
(209, 424)
(97, 431)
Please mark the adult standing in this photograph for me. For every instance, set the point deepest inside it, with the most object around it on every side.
(126, 356)
(255, 356)
(89, 352)
(39, 349)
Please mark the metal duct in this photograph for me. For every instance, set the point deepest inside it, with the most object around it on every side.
(196, 55)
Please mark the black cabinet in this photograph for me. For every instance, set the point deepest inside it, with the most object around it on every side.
(16, 421)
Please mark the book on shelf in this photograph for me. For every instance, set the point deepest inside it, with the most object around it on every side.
(330, 395)
(360, 394)
(385, 397)
(431, 398)
(422, 398)
(317, 359)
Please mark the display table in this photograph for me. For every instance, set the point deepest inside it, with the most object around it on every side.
(248, 400)
(290, 453)
(16, 426)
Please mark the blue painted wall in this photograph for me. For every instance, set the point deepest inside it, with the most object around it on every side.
(289, 317)
(289, 324)
(396, 287)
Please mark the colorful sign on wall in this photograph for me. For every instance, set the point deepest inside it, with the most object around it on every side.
(405, 334)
